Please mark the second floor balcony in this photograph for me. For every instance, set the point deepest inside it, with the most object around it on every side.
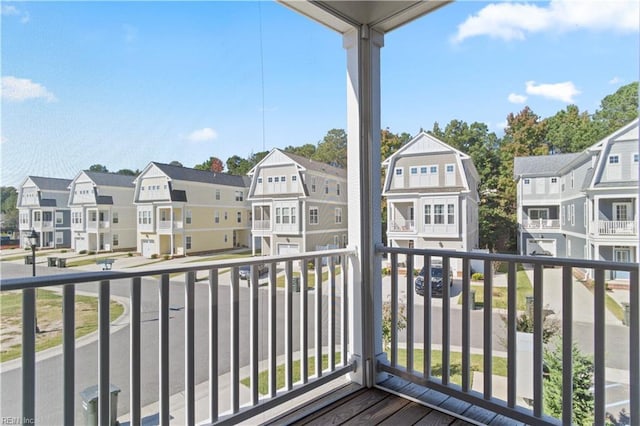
(401, 225)
(540, 224)
(168, 226)
(617, 227)
(262, 225)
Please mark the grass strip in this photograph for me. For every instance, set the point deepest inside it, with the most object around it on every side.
(49, 315)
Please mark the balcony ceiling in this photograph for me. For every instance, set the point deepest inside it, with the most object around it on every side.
(383, 16)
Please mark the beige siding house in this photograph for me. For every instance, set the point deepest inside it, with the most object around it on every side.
(432, 197)
(298, 205)
(182, 210)
(103, 217)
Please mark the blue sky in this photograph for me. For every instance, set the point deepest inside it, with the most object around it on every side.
(125, 83)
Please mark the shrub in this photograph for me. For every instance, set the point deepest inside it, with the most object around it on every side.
(583, 404)
(63, 251)
(386, 270)
(386, 321)
(154, 256)
(477, 276)
(166, 257)
(130, 254)
(91, 252)
(82, 252)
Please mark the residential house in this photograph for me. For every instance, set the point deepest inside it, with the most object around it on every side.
(42, 206)
(103, 217)
(582, 205)
(182, 210)
(431, 191)
(298, 205)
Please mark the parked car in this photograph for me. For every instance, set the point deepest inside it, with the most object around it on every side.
(245, 271)
(436, 281)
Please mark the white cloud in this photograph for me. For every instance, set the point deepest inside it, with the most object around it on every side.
(22, 89)
(202, 135)
(513, 21)
(514, 98)
(615, 80)
(560, 91)
(10, 10)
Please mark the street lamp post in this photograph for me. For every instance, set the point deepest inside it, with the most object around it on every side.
(34, 238)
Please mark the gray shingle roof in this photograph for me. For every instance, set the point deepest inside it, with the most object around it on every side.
(104, 200)
(541, 165)
(110, 179)
(51, 184)
(317, 165)
(188, 174)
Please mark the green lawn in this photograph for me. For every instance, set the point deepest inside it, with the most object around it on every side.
(49, 311)
(499, 299)
(263, 376)
(499, 367)
(455, 365)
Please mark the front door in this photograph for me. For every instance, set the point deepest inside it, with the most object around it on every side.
(621, 254)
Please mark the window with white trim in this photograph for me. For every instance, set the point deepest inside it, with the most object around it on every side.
(116, 240)
(438, 214)
(217, 194)
(427, 214)
(115, 217)
(313, 184)
(187, 218)
(313, 216)
(338, 214)
(326, 186)
(187, 242)
(269, 179)
(337, 189)
(239, 195)
(260, 180)
(573, 214)
(59, 237)
(450, 168)
(294, 178)
(451, 217)
(226, 215)
(614, 159)
(635, 157)
(216, 217)
(336, 240)
(399, 171)
(413, 170)
(278, 215)
(59, 218)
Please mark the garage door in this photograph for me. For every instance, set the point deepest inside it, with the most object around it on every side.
(285, 249)
(148, 248)
(541, 247)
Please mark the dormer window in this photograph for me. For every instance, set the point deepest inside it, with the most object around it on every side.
(399, 171)
(614, 159)
(259, 180)
(527, 181)
(414, 170)
(635, 157)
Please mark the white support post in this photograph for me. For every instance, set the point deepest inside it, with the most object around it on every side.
(363, 151)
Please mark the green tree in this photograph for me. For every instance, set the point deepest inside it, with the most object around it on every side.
(333, 149)
(307, 150)
(616, 110)
(570, 130)
(583, 403)
(238, 166)
(9, 198)
(99, 168)
(127, 172)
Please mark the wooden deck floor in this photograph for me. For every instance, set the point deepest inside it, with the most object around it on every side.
(382, 406)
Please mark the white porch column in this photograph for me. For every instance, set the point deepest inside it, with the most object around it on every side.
(363, 151)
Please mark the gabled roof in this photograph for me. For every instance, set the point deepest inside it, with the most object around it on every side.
(542, 165)
(204, 176)
(50, 184)
(304, 163)
(110, 179)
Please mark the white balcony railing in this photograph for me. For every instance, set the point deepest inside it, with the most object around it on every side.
(617, 227)
(461, 327)
(304, 323)
(541, 224)
(262, 225)
(320, 320)
(403, 226)
(170, 225)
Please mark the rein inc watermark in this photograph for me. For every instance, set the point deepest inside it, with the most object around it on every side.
(16, 421)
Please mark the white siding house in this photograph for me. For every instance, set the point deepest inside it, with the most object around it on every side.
(432, 197)
(103, 217)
